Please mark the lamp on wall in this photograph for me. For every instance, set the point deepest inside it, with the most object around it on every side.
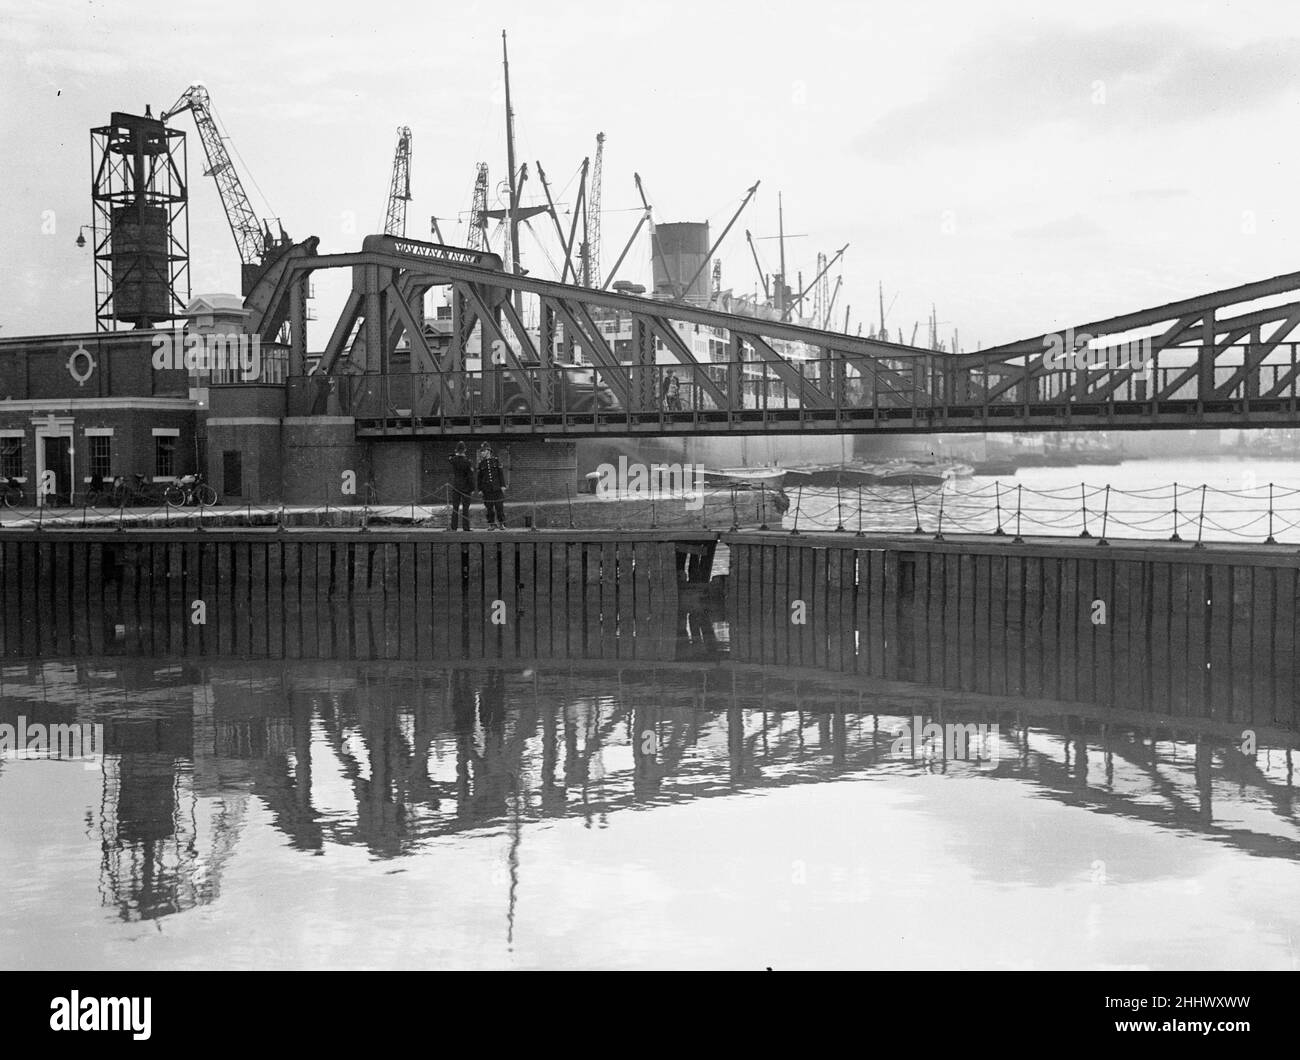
(81, 235)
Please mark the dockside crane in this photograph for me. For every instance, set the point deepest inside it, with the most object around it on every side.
(825, 267)
(253, 237)
(478, 219)
(591, 254)
(399, 189)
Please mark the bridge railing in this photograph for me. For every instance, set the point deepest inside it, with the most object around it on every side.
(715, 388)
(1182, 373)
(843, 386)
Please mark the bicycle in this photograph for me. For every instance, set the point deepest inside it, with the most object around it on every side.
(99, 494)
(133, 490)
(11, 493)
(190, 489)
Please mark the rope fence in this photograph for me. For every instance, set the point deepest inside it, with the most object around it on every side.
(1266, 514)
(1263, 515)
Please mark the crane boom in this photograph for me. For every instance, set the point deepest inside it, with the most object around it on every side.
(592, 279)
(761, 274)
(478, 219)
(252, 238)
(718, 242)
(399, 190)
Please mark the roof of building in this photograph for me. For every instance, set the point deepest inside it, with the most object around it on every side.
(206, 303)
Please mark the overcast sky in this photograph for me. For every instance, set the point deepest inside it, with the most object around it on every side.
(1021, 166)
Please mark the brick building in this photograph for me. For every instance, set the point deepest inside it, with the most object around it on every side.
(82, 405)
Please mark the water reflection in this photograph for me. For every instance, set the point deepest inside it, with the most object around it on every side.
(394, 759)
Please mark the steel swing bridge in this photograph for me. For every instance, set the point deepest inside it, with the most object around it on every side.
(1217, 360)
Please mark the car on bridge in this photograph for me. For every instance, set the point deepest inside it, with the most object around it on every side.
(580, 389)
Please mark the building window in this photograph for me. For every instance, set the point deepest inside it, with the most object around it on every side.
(101, 455)
(164, 455)
(11, 457)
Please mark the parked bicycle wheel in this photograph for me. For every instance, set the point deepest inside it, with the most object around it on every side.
(11, 495)
(174, 495)
(206, 494)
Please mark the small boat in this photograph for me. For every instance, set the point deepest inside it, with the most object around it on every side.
(828, 476)
(746, 477)
(915, 475)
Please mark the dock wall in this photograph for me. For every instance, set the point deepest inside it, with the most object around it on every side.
(1204, 633)
(346, 594)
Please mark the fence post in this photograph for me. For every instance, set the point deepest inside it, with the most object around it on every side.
(997, 492)
(1174, 536)
(1200, 527)
(280, 527)
(860, 533)
(839, 512)
(1270, 540)
(916, 511)
(1018, 539)
(735, 516)
(365, 509)
(568, 497)
(798, 504)
(1105, 516)
(1083, 500)
(938, 531)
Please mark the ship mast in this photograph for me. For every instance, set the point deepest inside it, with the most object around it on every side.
(780, 221)
(512, 219)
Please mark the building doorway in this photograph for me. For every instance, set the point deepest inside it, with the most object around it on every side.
(54, 455)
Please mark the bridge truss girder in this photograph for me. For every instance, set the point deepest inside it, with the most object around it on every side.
(526, 329)
(1191, 338)
(390, 277)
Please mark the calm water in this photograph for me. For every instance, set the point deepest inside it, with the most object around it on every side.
(597, 815)
(616, 815)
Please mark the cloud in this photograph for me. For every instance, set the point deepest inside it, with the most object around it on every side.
(1076, 226)
(1136, 75)
(76, 60)
(1156, 194)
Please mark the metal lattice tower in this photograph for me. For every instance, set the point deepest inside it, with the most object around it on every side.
(140, 218)
(592, 279)
(399, 191)
(478, 219)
